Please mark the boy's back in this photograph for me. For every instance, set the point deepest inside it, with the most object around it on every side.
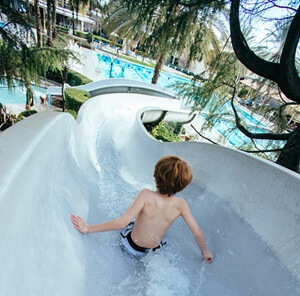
(155, 218)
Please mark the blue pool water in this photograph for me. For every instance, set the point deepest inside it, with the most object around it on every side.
(120, 69)
(17, 95)
(236, 138)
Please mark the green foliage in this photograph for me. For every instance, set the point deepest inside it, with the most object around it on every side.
(178, 128)
(73, 78)
(243, 92)
(86, 45)
(27, 113)
(75, 98)
(62, 29)
(106, 41)
(163, 133)
(73, 113)
(81, 34)
(89, 37)
(172, 26)
(18, 58)
(6, 118)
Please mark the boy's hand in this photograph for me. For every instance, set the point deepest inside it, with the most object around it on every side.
(208, 256)
(80, 224)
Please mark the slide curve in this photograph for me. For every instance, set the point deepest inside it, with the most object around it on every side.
(52, 166)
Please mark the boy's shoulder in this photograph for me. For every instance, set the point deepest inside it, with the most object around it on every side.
(146, 191)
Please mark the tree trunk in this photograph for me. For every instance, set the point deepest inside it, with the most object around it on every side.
(28, 10)
(54, 5)
(49, 23)
(64, 78)
(158, 67)
(290, 155)
(38, 23)
(73, 21)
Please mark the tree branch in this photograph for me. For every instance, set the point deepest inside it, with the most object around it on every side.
(248, 151)
(204, 136)
(280, 6)
(289, 81)
(244, 53)
(260, 136)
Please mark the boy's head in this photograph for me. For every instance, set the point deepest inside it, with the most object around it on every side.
(172, 175)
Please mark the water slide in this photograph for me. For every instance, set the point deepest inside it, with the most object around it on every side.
(52, 166)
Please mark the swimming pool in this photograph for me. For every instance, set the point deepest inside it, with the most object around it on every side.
(115, 68)
(17, 95)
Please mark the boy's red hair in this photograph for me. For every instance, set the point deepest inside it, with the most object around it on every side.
(172, 175)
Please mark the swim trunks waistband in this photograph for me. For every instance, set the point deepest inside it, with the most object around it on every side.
(138, 248)
(131, 247)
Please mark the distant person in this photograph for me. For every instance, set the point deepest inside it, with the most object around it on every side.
(44, 99)
(154, 212)
(29, 99)
(242, 101)
(249, 102)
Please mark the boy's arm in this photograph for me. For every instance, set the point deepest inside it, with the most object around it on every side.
(119, 223)
(196, 230)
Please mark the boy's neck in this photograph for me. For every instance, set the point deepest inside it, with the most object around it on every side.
(163, 195)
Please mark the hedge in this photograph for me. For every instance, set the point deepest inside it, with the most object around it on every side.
(74, 78)
(89, 36)
(26, 114)
(75, 98)
(73, 113)
(162, 132)
(62, 29)
(80, 34)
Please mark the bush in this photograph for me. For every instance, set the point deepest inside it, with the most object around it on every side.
(75, 98)
(73, 113)
(27, 113)
(74, 78)
(243, 92)
(86, 45)
(161, 132)
(62, 29)
(80, 34)
(54, 76)
(89, 37)
(6, 118)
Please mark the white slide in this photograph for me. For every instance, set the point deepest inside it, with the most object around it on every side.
(52, 166)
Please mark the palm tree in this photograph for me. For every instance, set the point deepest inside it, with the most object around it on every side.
(75, 6)
(38, 23)
(23, 59)
(174, 28)
(119, 24)
(54, 5)
(49, 23)
(28, 10)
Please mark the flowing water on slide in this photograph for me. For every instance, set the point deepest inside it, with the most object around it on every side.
(243, 263)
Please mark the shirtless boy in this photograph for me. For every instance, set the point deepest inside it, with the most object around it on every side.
(154, 212)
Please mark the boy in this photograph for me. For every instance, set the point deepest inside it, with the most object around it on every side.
(155, 211)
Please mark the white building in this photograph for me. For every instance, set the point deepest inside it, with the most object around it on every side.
(65, 16)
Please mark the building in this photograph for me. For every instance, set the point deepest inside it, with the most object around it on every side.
(64, 15)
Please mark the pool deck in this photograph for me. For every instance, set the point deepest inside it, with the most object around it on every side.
(18, 108)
